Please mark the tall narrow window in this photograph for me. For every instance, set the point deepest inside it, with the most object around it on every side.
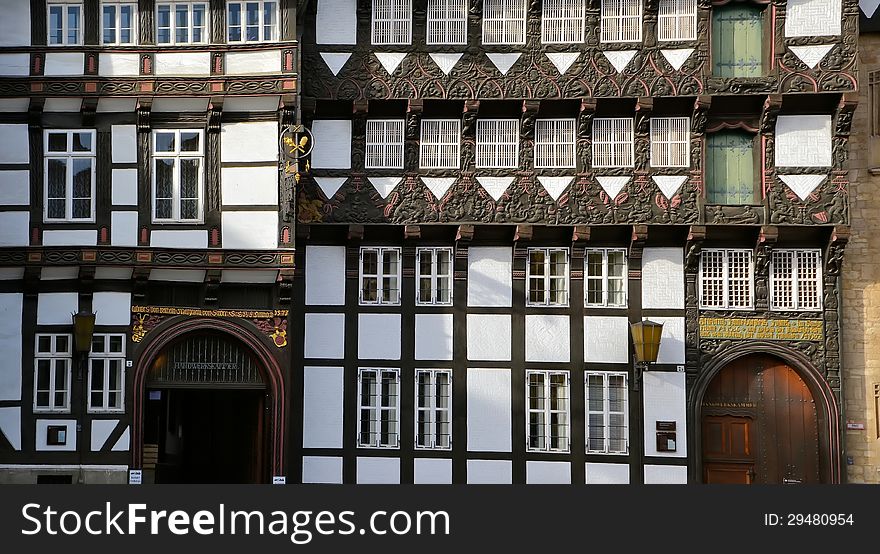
(379, 401)
(497, 143)
(796, 280)
(392, 21)
(737, 40)
(621, 21)
(726, 279)
(607, 420)
(447, 22)
(119, 23)
(182, 23)
(434, 409)
(65, 23)
(504, 22)
(547, 426)
(434, 276)
(384, 148)
(380, 276)
(252, 21)
(69, 176)
(730, 171)
(555, 143)
(548, 277)
(439, 144)
(178, 175)
(677, 20)
(52, 360)
(613, 142)
(107, 373)
(670, 141)
(605, 277)
(563, 21)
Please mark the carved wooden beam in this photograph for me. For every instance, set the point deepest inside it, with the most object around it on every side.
(834, 252)
(580, 233)
(212, 287)
(469, 118)
(465, 233)
(523, 232)
(527, 120)
(637, 241)
(303, 231)
(700, 116)
(414, 109)
(144, 106)
(355, 232)
(412, 232)
(89, 108)
(693, 246)
(770, 112)
(844, 114)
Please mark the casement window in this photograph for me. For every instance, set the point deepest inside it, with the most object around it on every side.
(380, 276)
(384, 148)
(555, 143)
(548, 277)
(726, 279)
(252, 21)
(379, 402)
(676, 20)
(439, 144)
(434, 409)
(52, 360)
(670, 141)
(621, 21)
(613, 142)
(434, 276)
(392, 22)
(119, 23)
(182, 23)
(504, 21)
(69, 182)
(737, 40)
(563, 21)
(497, 143)
(796, 280)
(107, 373)
(178, 175)
(65, 23)
(547, 423)
(605, 276)
(607, 418)
(447, 22)
(730, 168)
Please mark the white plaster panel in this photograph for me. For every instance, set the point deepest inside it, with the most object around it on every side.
(336, 22)
(183, 63)
(123, 141)
(253, 63)
(112, 308)
(325, 275)
(322, 469)
(15, 25)
(242, 186)
(114, 273)
(385, 471)
(332, 139)
(434, 336)
(177, 104)
(664, 397)
(489, 410)
(250, 230)
(116, 105)
(14, 228)
(83, 237)
(662, 278)
(322, 407)
(324, 336)
(123, 228)
(547, 338)
(805, 18)
(42, 426)
(57, 308)
(607, 474)
(548, 473)
(606, 339)
(666, 475)
(113, 64)
(10, 426)
(15, 65)
(248, 276)
(8, 105)
(803, 141)
(15, 188)
(432, 471)
(124, 187)
(14, 138)
(179, 239)
(488, 337)
(251, 103)
(490, 276)
(10, 345)
(59, 273)
(64, 63)
(68, 105)
(101, 429)
(379, 336)
(11, 273)
(123, 444)
(252, 141)
(671, 341)
(489, 472)
(178, 275)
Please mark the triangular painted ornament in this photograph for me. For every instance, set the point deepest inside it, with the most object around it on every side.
(676, 57)
(503, 62)
(802, 185)
(555, 185)
(669, 184)
(612, 185)
(335, 60)
(438, 185)
(390, 60)
(563, 60)
(445, 61)
(620, 58)
(329, 185)
(384, 185)
(495, 186)
(811, 55)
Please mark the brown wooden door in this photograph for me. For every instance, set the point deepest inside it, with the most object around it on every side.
(728, 453)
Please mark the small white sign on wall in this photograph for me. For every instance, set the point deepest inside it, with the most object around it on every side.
(135, 477)
(279, 480)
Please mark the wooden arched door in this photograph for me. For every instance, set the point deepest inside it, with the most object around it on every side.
(759, 425)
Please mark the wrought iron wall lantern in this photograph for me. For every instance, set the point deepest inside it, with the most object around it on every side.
(83, 332)
(646, 339)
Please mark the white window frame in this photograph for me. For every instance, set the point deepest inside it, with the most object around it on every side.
(108, 359)
(379, 276)
(261, 25)
(492, 151)
(605, 278)
(613, 11)
(391, 28)
(434, 276)
(676, 20)
(606, 412)
(795, 278)
(177, 155)
(606, 133)
(547, 411)
(172, 29)
(555, 143)
(431, 409)
(117, 23)
(55, 356)
(378, 409)
(666, 141)
(447, 22)
(437, 147)
(65, 20)
(563, 21)
(546, 278)
(69, 155)
(385, 144)
(504, 21)
(725, 280)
